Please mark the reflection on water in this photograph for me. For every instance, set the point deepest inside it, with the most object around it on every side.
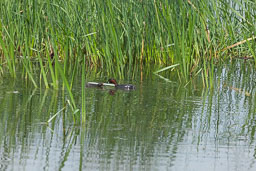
(159, 126)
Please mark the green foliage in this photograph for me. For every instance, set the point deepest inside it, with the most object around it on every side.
(119, 35)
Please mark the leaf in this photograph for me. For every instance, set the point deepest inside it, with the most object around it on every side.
(166, 68)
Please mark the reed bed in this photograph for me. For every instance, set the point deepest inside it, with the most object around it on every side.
(56, 38)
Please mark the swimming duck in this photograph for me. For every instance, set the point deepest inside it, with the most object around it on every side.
(121, 86)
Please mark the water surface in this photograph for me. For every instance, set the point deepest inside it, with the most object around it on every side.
(159, 126)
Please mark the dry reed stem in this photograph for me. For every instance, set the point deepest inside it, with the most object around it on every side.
(238, 43)
(142, 52)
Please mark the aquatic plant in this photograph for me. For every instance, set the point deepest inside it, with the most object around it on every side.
(122, 36)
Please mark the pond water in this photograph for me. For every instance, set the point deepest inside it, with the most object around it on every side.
(159, 126)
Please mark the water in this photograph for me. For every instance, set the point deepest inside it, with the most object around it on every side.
(159, 126)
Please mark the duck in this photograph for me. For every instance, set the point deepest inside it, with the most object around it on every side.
(121, 86)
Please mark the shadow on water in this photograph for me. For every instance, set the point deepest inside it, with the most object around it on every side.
(158, 126)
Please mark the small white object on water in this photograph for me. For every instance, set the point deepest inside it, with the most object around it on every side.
(104, 84)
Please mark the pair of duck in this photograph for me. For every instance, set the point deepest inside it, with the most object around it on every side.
(112, 82)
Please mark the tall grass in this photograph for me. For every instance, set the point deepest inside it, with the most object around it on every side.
(120, 35)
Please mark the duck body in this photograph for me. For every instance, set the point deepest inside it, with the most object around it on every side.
(121, 86)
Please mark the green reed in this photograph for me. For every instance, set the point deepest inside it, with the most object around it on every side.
(120, 35)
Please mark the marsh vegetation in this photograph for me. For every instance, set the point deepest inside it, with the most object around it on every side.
(55, 39)
(192, 62)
